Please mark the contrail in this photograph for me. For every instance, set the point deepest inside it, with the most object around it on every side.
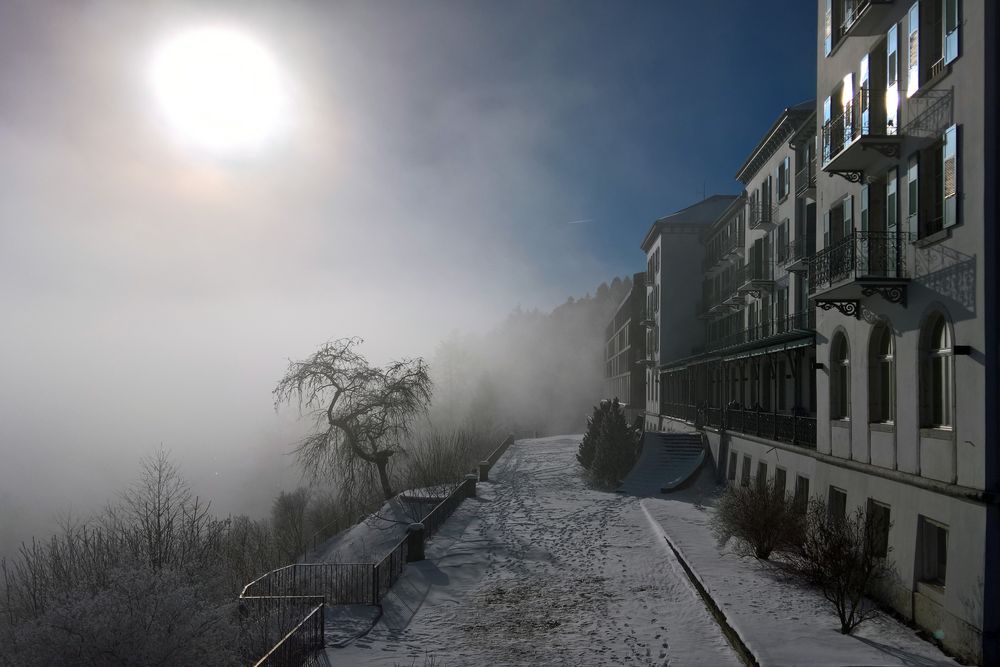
(579, 222)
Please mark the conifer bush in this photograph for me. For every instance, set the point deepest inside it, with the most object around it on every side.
(614, 443)
(588, 445)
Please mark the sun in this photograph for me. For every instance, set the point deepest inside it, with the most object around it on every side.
(219, 89)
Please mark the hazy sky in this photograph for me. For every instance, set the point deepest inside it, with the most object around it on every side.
(431, 158)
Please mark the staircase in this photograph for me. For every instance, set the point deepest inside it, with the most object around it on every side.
(667, 461)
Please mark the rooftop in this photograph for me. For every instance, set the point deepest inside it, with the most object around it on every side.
(696, 216)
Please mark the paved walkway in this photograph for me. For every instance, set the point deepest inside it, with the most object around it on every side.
(542, 570)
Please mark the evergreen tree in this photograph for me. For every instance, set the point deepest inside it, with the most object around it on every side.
(588, 445)
(617, 446)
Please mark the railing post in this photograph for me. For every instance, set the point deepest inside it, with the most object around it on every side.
(415, 542)
(470, 483)
(484, 471)
(375, 586)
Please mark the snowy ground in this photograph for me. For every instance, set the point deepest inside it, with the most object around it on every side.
(542, 570)
(781, 623)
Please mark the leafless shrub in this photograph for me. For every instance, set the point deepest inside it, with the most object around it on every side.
(759, 518)
(845, 558)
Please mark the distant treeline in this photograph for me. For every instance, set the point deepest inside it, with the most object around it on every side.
(536, 371)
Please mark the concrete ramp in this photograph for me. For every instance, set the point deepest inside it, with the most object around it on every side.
(666, 462)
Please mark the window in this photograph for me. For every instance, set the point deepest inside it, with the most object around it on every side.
(731, 472)
(761, 475)
(837, 503)
(779, 480)
(877, 527)
(932, 551)
(881, 376)
(745, 472)
(933, 186)
(933, 40)
(801, 498)
(782, 178)
(840, 378)
(936, 373)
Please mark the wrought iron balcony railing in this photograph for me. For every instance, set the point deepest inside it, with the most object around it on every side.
(762, 215)
(805, 178)
(792, 252)
(863, 116)
(791, 428)
(722, 250)
(859, 15)
(764, 331)
(860, 256)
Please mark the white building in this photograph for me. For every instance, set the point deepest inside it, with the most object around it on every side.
(853, 307)
(899, 284)
(673, 254)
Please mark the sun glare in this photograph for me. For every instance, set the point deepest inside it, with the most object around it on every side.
(219, 89)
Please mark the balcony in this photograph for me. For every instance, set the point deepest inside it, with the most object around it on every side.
(762, 215)
(648, 319)
(765, 333)
(858, 140)
(794, 255)
(754, 278)
(805, 179)
(857, 266)
(729, 251)
(865, 18)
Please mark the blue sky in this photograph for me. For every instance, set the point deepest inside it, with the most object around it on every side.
(642, 105)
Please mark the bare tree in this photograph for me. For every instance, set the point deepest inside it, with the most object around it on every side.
(846, 558)
(361, 410)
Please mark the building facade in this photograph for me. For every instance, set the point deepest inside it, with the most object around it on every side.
(839, 344)
(673, 254)
(625, 350)
(898, 288)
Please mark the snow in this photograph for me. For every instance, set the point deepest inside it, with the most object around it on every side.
(373, 538)
(540, 569)
(782, 623)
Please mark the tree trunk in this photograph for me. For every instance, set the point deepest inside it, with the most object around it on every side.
(383, 477)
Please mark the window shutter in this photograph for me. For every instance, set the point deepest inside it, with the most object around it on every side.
(950, 30)
(891, 202)
(828, 28)
(864, 207)
(950, 175)
(864, 97)
(892, 81)
(913, 195)
(913, 51)
(827, 130)
(847, 107)
(848, 215)
(826, 229)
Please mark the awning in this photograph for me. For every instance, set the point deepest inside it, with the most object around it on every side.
(782, 346)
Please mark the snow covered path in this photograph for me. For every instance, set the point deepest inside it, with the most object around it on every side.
(541, 570)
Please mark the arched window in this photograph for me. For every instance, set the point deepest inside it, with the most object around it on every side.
(937, 374)
(840, 378)
(881, 375)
